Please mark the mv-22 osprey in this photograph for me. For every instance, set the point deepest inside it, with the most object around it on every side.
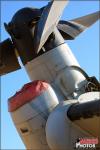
(60, 108)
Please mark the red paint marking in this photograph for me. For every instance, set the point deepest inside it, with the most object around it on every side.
(26, 94)
(89, 141)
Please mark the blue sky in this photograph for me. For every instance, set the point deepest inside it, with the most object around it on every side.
(85, 48)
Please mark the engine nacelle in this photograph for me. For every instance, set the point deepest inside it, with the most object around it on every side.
(61, 133)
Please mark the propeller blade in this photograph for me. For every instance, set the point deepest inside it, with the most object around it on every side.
(88, 20)
(48, 21)
(8, 59)
(71, 29)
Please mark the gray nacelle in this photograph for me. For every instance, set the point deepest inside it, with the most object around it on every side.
(62, 133)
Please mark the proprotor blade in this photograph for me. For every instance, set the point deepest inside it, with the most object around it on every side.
(49, 19)
(8, 59)
(87, 20)
(71, 29)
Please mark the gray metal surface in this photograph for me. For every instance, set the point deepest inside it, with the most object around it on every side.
(30, 119)
(48, 21)
(61, 133)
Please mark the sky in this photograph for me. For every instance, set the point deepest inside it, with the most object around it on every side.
(85, 48)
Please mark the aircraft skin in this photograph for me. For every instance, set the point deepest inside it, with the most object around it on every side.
(51, 113)
(60, 72)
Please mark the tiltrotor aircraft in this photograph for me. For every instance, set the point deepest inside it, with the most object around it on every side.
(61, 106)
